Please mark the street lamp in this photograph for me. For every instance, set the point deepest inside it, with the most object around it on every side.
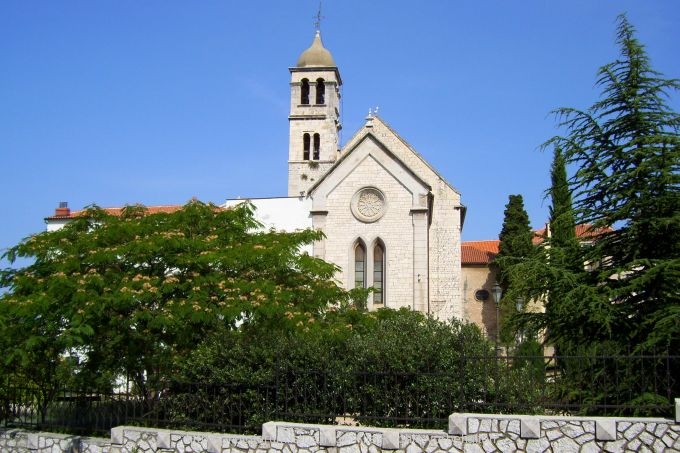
(497, 293)
(519, 304)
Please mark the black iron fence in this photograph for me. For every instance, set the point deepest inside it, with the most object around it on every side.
(583, 385)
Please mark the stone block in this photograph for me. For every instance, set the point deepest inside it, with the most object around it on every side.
(214, 444)
(269, 431)
(457, 424)
(33, 441)
(117, 435)
(605, 429)
(529, 428)
(390, 439)
(327, 437)
(677, 410)
(163, 440)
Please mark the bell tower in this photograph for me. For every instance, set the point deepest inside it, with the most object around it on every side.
(314, 119)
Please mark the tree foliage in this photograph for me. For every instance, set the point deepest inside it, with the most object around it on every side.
(368, 366)
(515, 249)
(562, 222)
(515, 238)
(626, 151)
(133, 295)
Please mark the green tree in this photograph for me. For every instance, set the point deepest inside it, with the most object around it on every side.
(133, 295)
(562, 221)
(561, 263)
(515, 238)
(515, 248)
(626, 150)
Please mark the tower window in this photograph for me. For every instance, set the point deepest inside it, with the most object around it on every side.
(379, 274)
(320, 91)
(317, 146)
(359, 265)
(304, 92)
(305, 147)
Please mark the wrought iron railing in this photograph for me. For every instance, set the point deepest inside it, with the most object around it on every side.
(577, 385)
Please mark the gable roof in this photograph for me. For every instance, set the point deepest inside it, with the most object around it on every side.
(345, 156)
(374, 122)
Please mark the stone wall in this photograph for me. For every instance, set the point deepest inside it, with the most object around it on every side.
(466, 433)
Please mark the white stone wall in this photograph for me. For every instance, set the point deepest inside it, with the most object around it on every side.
(56, 224)
(287, 214)
(465, 433)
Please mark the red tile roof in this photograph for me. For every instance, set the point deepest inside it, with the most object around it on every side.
(583, 231)
(479, 252)
(484, 252)
(64, 213)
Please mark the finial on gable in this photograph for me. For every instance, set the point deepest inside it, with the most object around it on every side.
(369, 118)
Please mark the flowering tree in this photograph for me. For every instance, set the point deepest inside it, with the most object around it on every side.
(133, 294)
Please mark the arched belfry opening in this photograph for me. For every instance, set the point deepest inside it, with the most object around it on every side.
(320, 92)
(317, 146)
(304, 92)
(305, 147)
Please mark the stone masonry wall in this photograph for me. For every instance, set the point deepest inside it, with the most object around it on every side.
(445, 231)
(394, 229)
(466, 433)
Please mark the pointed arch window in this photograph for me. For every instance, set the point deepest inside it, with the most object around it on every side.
(359, 265)
(317, 146)
(320, 91)
(379, 274)
(304, 92)
(305, 147)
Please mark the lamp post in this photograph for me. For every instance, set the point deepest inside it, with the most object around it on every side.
(497, 293)
(519, 304)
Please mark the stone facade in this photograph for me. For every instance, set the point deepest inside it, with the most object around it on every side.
(479, 308)
(419, 222)
(465, 433)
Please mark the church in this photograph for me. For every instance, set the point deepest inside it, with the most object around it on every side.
(391, 221)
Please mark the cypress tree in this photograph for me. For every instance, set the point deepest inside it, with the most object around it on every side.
(514, 249)
(515, 239)
(562, 223)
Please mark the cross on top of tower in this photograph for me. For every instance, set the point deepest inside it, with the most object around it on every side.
(318, 18)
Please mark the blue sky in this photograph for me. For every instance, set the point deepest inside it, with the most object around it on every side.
(156, 102)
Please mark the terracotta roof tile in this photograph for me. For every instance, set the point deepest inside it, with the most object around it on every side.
(583, 231)
(117, 211)
(479, 252)
(484, 252)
